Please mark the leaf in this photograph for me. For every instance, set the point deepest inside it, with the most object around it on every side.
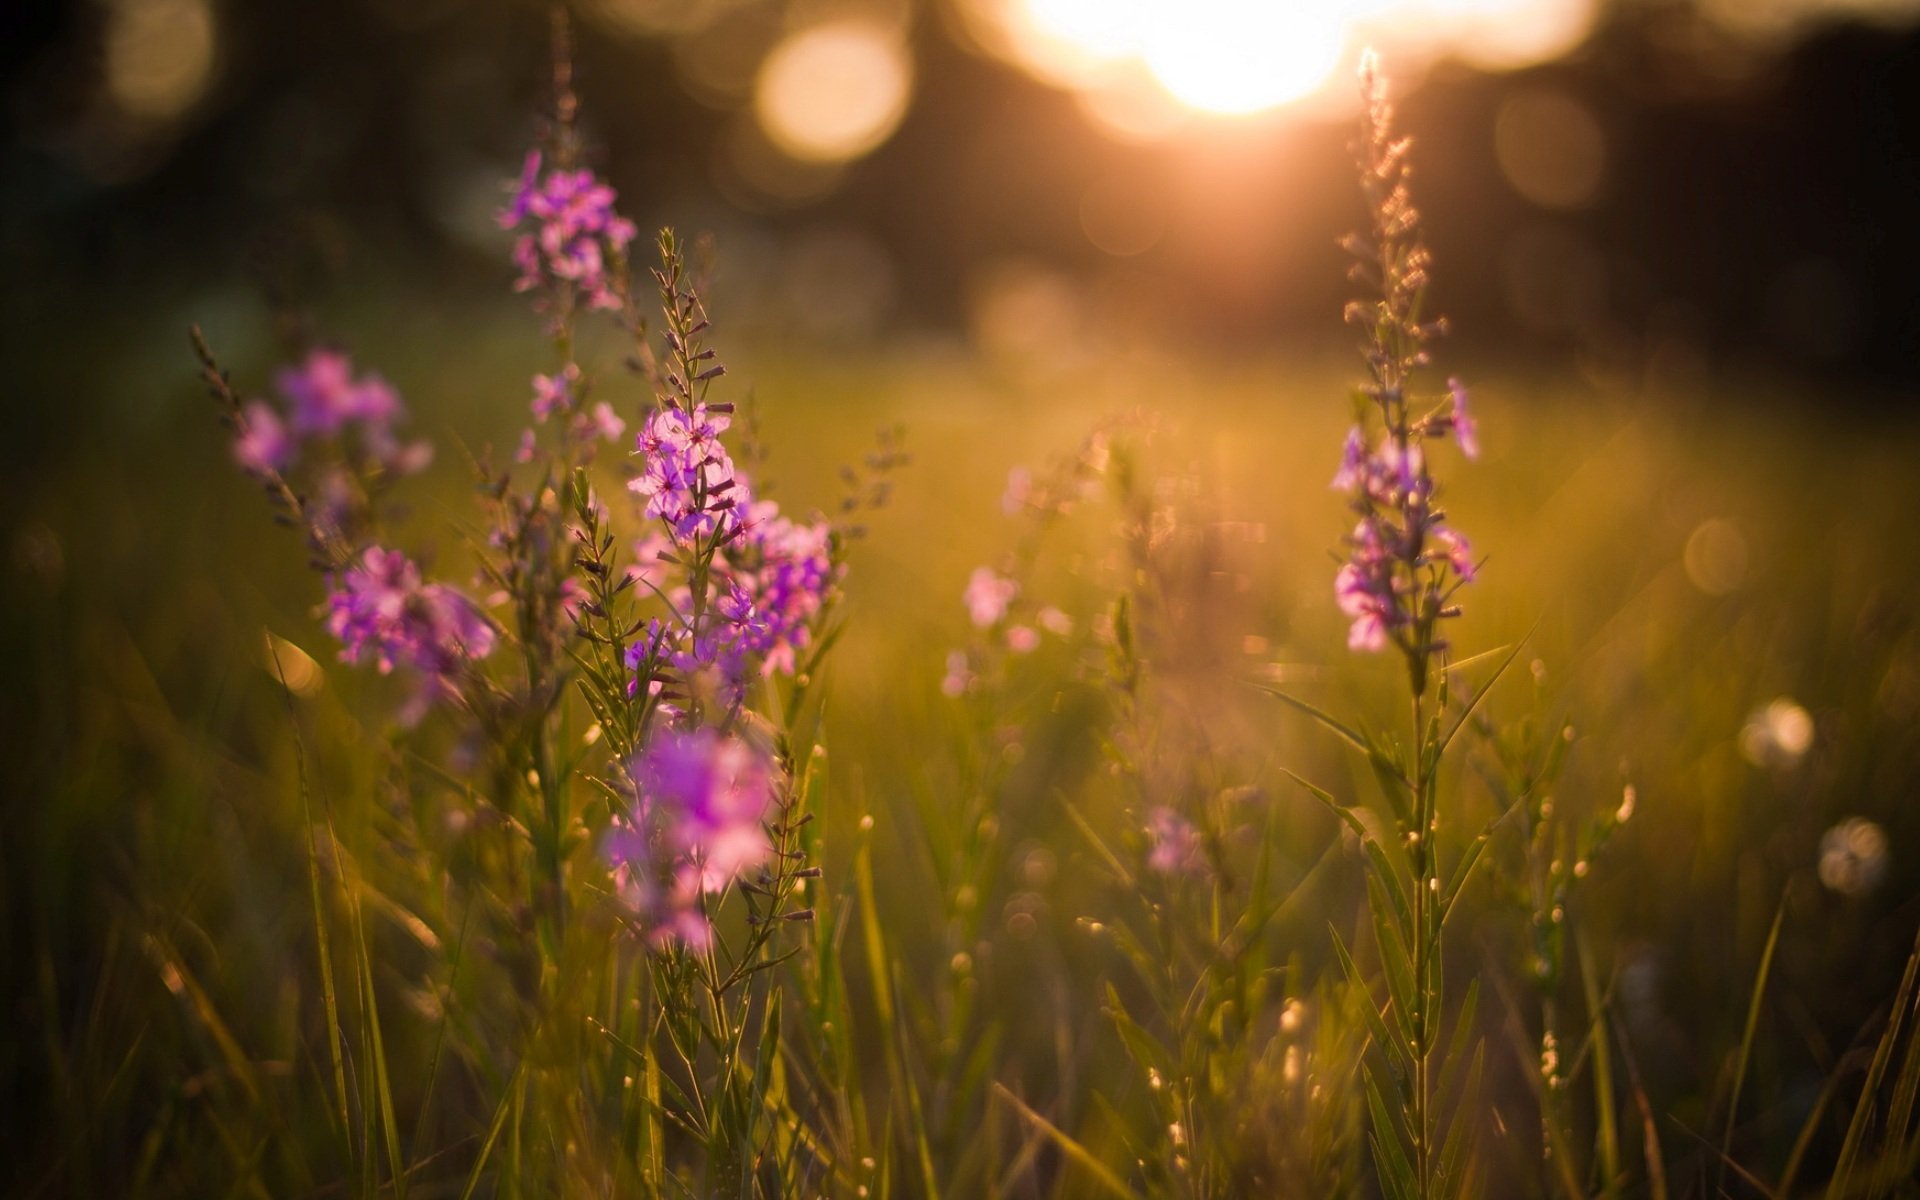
(1099, 844)
(1388, 1039)
(1481, 693)
(382, 1082)
(1456, 1052)
(493, 1131)
(1454, 1151)
(1392, 943)
(1883, 1053)
(1390, 1155)
(1145, 1049)
(1469, 859)
(1371, 845)
(1604, 1102)
(1345, 733)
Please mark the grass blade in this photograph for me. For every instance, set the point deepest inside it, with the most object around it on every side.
(1078, 1154)
(1746, 1040)
(507, 1100)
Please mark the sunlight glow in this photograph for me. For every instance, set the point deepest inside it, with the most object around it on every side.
(1232, 56)
(1238, 57)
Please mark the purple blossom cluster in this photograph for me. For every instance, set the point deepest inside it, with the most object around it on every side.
(686, 476)
(768, 588)
(1174, 844)
(791, 573)
(768, 576)
(570, 231)
(1403, 560)
(562, 395)
(702, 800)
(382, 610)
(323, 400)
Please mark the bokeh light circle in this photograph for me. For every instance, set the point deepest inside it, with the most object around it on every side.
(833, 92)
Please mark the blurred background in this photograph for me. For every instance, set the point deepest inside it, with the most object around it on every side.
(1676, 240)
(1621, 186)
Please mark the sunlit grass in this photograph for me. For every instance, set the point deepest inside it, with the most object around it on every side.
(161, 932)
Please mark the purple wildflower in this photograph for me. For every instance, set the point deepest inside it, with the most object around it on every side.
(687, 475)
(1404, 564)
(601, 421)
(1174, 846)
(790, 585)
(381, 609)
(570, 230)
(324, 399)
(1453, 547)
(699, 822)
(554, 393)
(1353, 461)
(323, 396)
(263, 447)
(716, 660)
(1019, 491)
(655, 646)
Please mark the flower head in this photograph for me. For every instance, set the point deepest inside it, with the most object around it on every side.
(323, 400)
(987, 596)
(686, 475)
(1174, 846)
(1465, 430)
(264, 445)
(380, 609)
(569, 231)
(702, 800)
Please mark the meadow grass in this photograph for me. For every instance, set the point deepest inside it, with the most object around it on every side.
(162, 923)
(1023, 827)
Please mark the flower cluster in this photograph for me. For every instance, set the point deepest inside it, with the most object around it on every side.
(570, 232)
(788, 568)
(686, 476)
(702, 800)
(323, 400)
(382, 610)
(767, 577)
(563, 395)
(988, 596)
(1400, 532)
(1404, 562)
(767, 588)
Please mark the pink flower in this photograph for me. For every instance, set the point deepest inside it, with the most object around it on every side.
(1464, 426)
(987, 596)
(554, 393)
(959, 675)
(1454, 548)
(1174, 845)
(702, 800)
(1019, 491)
(263, 446)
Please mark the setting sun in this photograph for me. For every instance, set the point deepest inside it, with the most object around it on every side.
(1231, 58)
